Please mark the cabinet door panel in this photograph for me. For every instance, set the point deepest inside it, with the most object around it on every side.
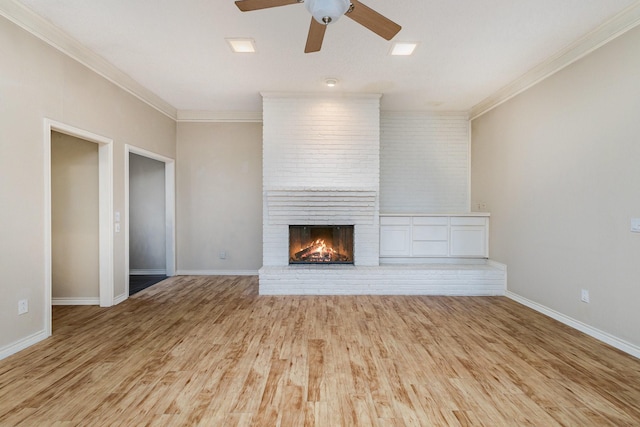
(395, 220)
(430, 232)
(468, 241)
(430, 220)
(394, 240)
(468, 220)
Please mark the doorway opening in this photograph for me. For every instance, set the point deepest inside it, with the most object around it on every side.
(104, 211)
(74, 221)
(149, 218)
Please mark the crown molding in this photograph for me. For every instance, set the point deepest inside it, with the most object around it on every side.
(321, 95)
(430, 113)
(624, 21)
(219, 116)
(50, 34)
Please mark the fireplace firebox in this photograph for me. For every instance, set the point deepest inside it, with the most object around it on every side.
(321, 244)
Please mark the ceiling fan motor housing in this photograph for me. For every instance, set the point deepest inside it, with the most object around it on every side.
(327, 11)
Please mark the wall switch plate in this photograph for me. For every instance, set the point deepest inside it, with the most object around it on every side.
(117, 227)
(117, 216)
(584, 295)
(222, 255)
(635, 225)
(23, 306)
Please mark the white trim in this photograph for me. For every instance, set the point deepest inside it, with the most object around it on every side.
(105, 208)
(170, 209)
(321, 95)
(75, 301)
(50, 34)
(615, 27)
(605, 337)
(120, 298)
(23, 343)
(105, 195)
(217, 273)
(156, 272)
(469, 140)
(219, 116)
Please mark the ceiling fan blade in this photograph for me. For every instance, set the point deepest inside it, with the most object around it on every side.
(367, 17)
(315, 37)
(249, 5)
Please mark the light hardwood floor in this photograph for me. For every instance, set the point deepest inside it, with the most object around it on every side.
(209, 351)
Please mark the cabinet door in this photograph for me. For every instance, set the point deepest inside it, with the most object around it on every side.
(430, 240)
(468, 240)
(395, 240)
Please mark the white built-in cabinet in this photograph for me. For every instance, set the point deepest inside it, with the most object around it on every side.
(413, 237)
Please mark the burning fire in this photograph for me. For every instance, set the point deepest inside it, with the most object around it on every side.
(320, 249)
(316, 251)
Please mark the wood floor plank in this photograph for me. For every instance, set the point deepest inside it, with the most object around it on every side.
(209, 351)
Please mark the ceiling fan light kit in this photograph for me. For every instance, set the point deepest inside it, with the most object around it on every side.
(327, 11)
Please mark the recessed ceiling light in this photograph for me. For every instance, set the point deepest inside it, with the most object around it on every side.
(403, 48)
(331, 82)
(242, 45)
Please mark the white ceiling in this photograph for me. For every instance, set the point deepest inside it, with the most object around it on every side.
(468, 49)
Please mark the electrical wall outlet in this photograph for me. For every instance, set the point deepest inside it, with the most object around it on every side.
(584, 295)
(23, 306)
(222, 255)
(481, 207)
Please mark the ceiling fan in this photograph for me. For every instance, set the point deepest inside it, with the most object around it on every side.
(325, 12)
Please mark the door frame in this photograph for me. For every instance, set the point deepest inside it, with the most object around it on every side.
(105, 213)
(170, 208)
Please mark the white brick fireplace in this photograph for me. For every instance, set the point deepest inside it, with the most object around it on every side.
(321, 166)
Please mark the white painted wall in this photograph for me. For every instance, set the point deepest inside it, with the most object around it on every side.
(147, 219)
(219, 197)
(38, 82)
(74, 218)
(558, 168)
(424, 162)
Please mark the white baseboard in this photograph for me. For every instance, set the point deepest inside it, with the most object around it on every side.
(20, 345)
(120, 298)
(605, 337)
(148, 272)
(75, 301)
(217, 273)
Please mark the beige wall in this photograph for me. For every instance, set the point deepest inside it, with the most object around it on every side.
(147, 240)
(219, 196)
(74, 218)
(37, 82)
(559, 169)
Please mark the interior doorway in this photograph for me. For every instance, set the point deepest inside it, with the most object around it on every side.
(74, 221)
(104, 211)
(149, 218)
